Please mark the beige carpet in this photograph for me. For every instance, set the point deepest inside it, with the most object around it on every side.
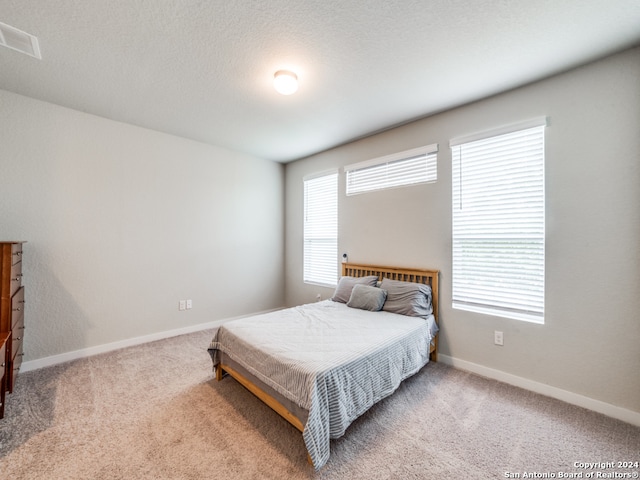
(155, 412)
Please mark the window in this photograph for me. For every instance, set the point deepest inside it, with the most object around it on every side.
(405, 168)
(321, 229)
(498, 222)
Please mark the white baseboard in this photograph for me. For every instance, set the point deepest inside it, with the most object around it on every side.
(619, 413)
(129, 342)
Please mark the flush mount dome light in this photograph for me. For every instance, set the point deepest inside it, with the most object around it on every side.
(285, 82)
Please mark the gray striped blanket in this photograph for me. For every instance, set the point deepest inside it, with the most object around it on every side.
(332, 360)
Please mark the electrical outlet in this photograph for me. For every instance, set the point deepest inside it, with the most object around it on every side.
(189, 304)
(498, 338)
(182, 305)
(318, 297)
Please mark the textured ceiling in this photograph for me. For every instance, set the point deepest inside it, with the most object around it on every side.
(203, 69)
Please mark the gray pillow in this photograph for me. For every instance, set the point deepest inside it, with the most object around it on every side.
(407, 298)
(346, 284)
(366, 297)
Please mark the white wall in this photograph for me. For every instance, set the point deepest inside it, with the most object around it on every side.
(589, 344)
(123, 222)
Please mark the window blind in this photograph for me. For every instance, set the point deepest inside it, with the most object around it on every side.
(499, 224)
(321, 230)
(410, 167)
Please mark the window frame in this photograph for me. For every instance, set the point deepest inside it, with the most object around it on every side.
(393, 171)
(320, 267)
(520, 294)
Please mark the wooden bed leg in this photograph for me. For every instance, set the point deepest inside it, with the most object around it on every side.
(219, 373)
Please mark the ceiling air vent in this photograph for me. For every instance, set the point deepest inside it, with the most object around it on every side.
(18, 40)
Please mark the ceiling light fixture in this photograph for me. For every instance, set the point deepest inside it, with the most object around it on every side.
(285, 82)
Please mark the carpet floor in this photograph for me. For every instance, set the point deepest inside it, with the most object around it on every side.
(154, 411)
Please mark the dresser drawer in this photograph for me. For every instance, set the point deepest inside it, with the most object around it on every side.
(16, 278)
(16, 362)
(17, 307)
(4, 339)
(16, 253)
(3, 354)
(17, 336)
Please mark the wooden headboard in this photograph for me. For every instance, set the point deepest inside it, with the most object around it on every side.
(427, 277)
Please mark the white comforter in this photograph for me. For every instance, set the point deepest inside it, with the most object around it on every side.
(330, 359)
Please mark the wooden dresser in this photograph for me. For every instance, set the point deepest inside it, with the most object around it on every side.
(11, 312)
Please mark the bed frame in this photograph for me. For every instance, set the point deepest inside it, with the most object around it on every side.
(427, 277)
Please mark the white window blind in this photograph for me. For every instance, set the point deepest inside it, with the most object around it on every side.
(321, 230)
(499, 224)
(410, 167)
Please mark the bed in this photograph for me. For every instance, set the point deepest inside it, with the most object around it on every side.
(322, 365)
